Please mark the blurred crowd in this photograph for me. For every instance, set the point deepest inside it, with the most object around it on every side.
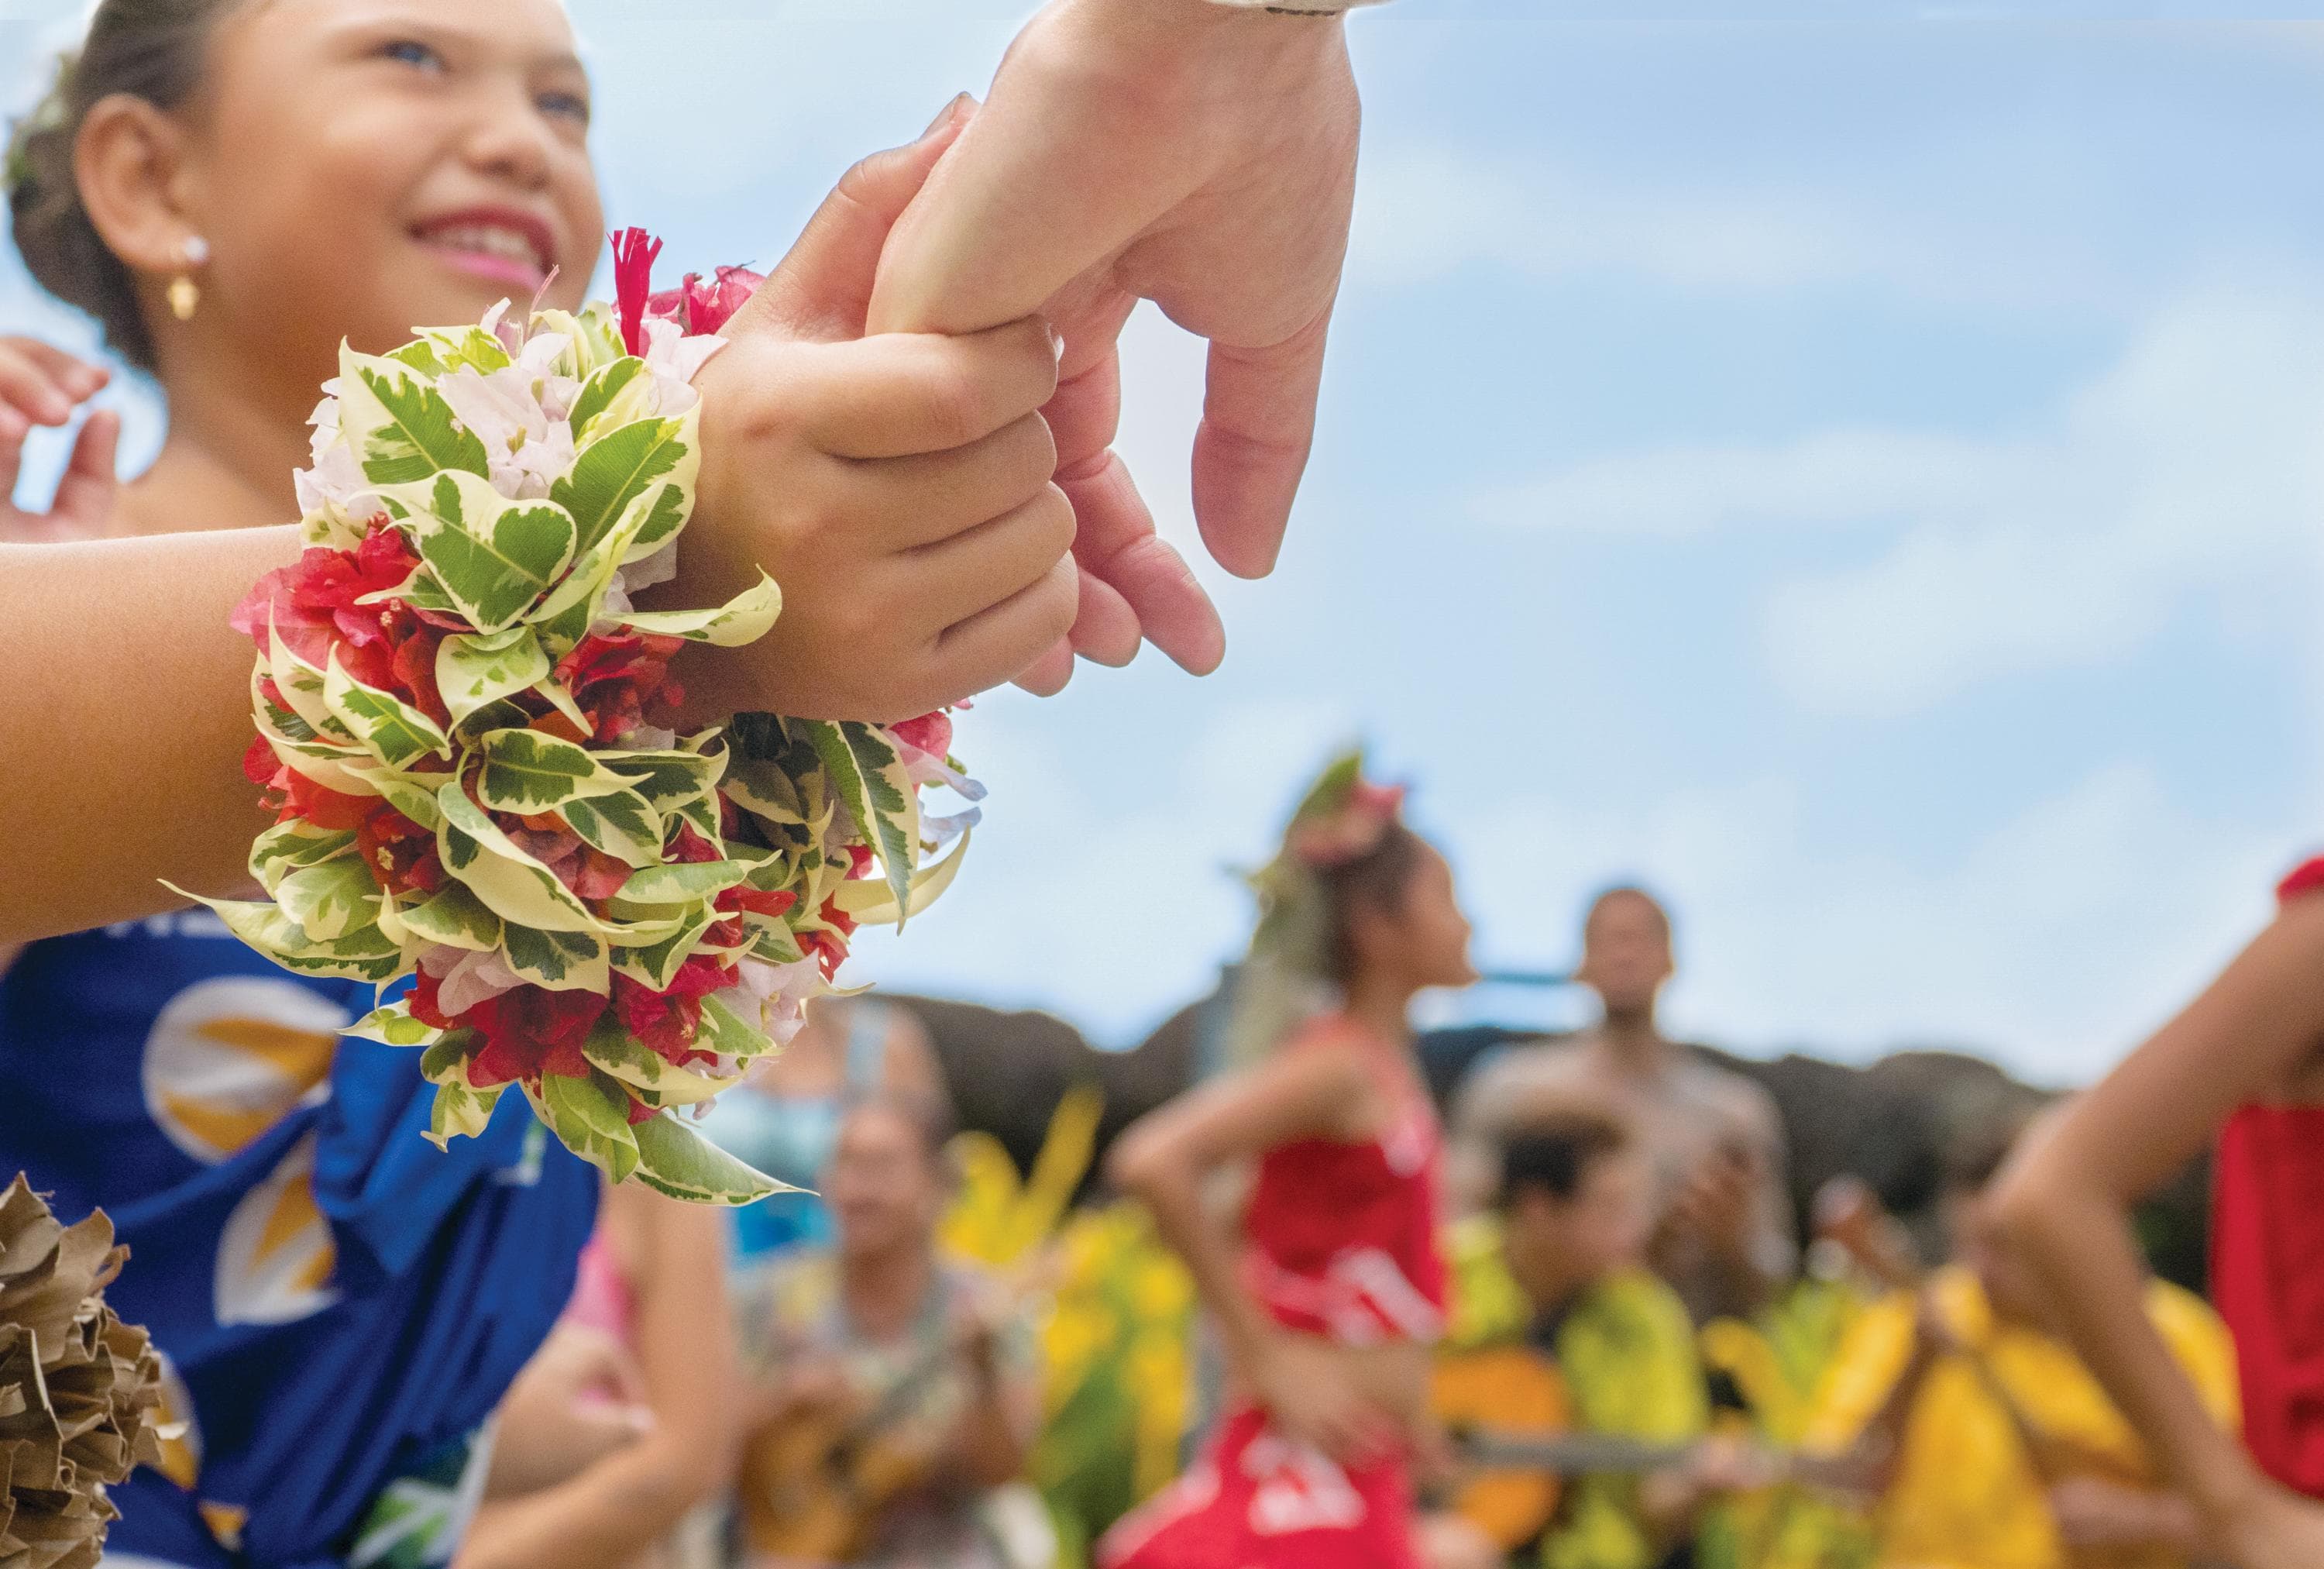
(940, 1360)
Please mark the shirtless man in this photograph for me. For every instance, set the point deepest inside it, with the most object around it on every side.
(1722, 1232)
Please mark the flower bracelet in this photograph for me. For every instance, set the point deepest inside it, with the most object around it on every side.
(457, 704)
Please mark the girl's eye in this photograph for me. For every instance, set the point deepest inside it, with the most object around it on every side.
(566, 106)
(413, 52)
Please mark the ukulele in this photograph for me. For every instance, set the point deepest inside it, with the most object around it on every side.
(813, 1487)
(1508, 1415)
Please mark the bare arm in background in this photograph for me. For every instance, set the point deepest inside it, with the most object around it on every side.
(610, 1513)
(2067, 1198)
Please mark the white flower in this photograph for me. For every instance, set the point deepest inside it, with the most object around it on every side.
(675, 358)
(519, 412)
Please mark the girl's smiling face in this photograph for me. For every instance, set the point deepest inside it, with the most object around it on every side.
(359, 168)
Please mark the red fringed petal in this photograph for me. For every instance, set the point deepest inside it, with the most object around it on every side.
(635, 251)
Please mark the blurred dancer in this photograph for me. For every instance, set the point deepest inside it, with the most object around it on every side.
(1332, 1290)
(2243, 1065)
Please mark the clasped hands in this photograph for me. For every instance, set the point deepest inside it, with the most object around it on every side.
(938, 499)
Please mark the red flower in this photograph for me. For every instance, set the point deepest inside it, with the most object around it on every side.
(312, 602)
(399, 853)
(635, 251)
(616, 680)
(688, 847)
(757, 901)
(323, 806)
(260, 766)
(711, 304)
(530, 1031)
(425, 1006)
(414, 671)
(859, 861)
(931, 733)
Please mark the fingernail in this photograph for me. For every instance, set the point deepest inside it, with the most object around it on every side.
(944, 115)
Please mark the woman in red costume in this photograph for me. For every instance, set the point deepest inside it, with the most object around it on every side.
(2243, 1065)
(1329, 1299)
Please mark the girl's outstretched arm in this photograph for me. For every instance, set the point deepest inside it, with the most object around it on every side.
(1166, 1158)
(125, 702)
(2065, 1202)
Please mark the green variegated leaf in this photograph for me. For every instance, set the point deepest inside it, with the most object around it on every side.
(614, 1049)
(301, 686)
(772, 942)
(421, 356)
(591, 1117)
(653, 965)
(361, 955)
(557, 961)
(495, 558)
(455, 919)
(397, 733)
(398, 425)
(869, 776)
(287, 847)
(413, 794)
(726, 1032)
(393, 1025)
(874, 904)
(577, 602)
(599, 392)
(618, 823)
(743, 619)
(596, 336)
(330, 900)
(473, 346)
(420, 591)
(617, 468)
(518, 888)
(473, 672)
(668, 777)
(674, 1160)
(460, 1113)
(679, 882)
(527, 772)
(445, 1059)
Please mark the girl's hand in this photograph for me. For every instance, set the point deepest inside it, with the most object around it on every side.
(39, 385)
(898, 487)
(1306, 1392)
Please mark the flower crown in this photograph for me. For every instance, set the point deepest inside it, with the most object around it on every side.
(1348, 830)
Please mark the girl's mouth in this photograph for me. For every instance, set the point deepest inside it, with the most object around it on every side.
(511, 248)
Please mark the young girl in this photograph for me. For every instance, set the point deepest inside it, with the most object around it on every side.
(1332, 1297)
(2243, 1066)
(232, 188)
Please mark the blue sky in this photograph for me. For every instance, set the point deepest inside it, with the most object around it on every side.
(1862, 480)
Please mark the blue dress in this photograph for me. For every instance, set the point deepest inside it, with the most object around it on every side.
(340, 1306)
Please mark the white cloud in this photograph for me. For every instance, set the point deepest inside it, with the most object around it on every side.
(2188, 467)
(1925, 232)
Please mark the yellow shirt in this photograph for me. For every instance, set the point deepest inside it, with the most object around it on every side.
(1966, 1494)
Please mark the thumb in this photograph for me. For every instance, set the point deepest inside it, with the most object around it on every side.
(84, 494)
(823, 287)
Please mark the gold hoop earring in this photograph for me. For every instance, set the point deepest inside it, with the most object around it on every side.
(185, 295)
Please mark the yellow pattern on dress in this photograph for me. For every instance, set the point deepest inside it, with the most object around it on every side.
(1966, 1494)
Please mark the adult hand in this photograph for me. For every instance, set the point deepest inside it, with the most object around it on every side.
(897, 487)
(1166, 149)
(1715, 1205)
(39, 385)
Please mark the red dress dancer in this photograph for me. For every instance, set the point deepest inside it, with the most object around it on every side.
(1340, 1241)
(2267, 1268)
